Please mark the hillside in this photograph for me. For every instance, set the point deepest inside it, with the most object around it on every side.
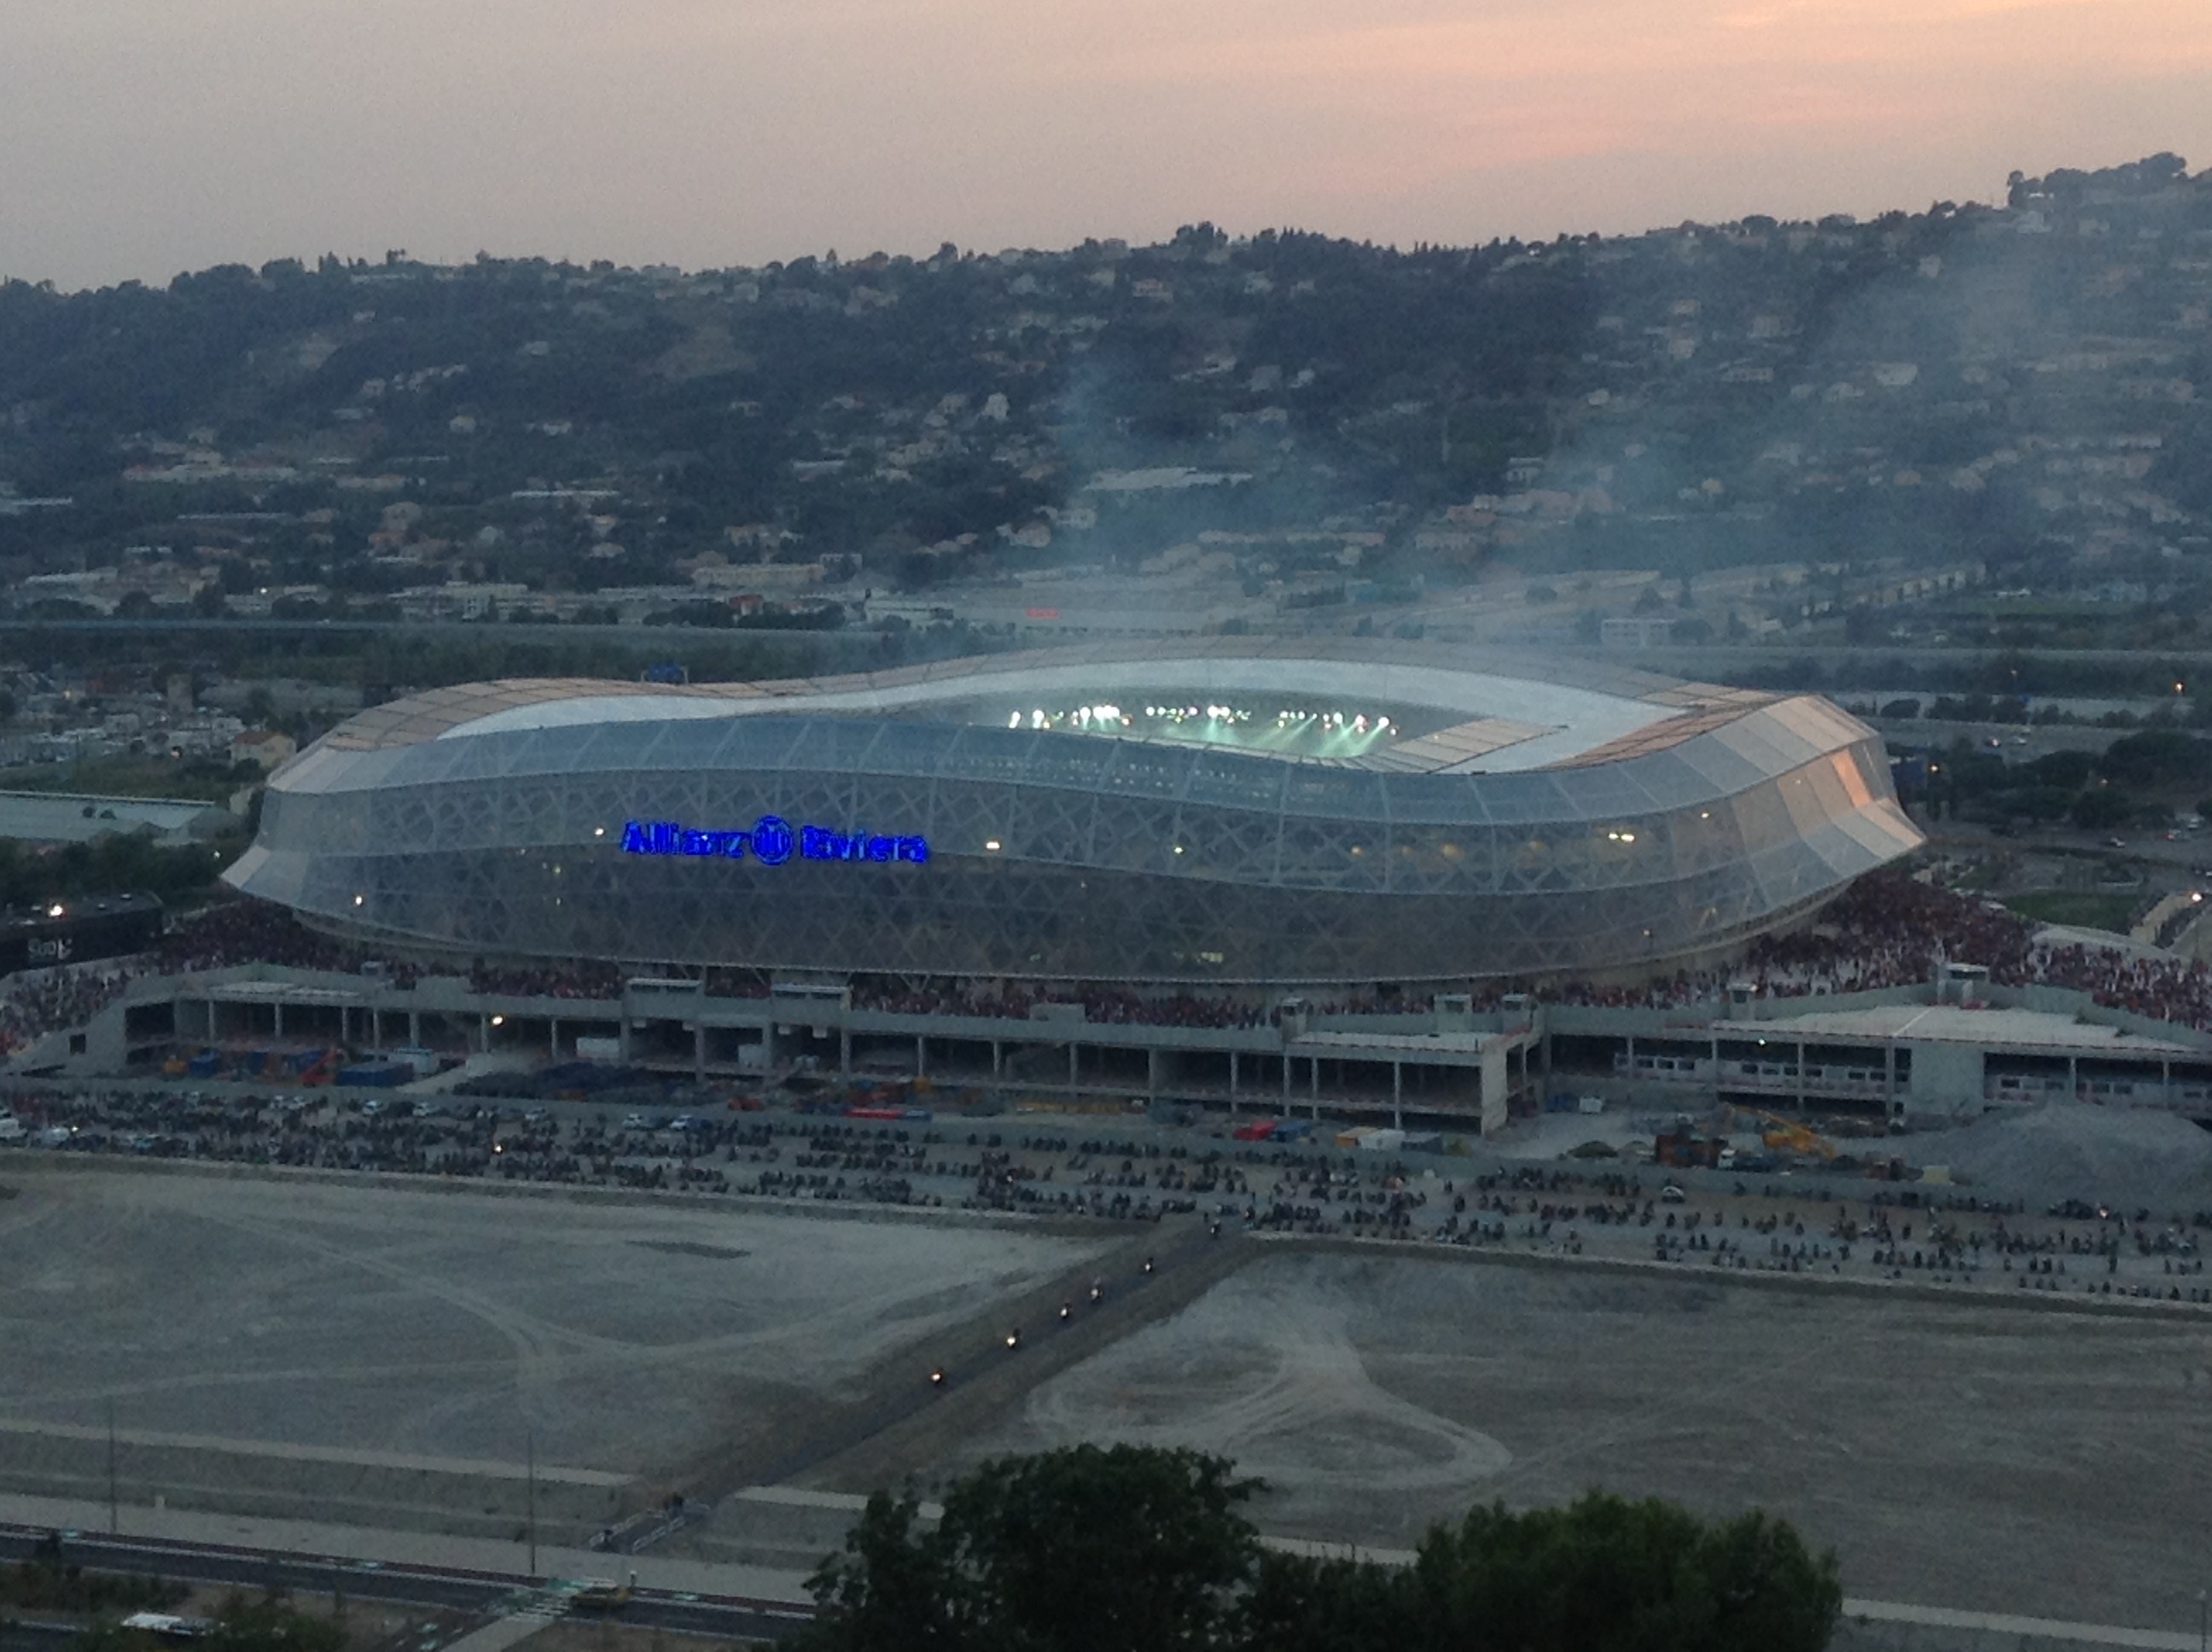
(2015, 394)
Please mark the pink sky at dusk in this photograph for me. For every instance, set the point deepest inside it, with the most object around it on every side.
(139, 138)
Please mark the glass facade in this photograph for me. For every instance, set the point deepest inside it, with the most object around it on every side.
(1062, 855)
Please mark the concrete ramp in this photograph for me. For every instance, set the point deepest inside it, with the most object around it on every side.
(444, 1083)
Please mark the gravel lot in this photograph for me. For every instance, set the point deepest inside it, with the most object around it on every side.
(376, 1320)
(1966, 1454)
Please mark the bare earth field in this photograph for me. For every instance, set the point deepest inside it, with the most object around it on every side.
(361, 1352)
(371, 1319)
(1979, 1457)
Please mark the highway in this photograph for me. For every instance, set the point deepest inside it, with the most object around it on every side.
(724, 1616)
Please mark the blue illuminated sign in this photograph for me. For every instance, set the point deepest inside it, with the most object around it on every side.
(771, 841)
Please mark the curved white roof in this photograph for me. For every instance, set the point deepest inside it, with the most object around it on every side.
(1531, 722)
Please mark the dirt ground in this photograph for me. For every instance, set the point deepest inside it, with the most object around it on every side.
(370, 1319)
(1972, 1456)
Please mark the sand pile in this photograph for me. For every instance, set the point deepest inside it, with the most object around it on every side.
(2122, 1157)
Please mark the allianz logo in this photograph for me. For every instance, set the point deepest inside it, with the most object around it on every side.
(771, 841)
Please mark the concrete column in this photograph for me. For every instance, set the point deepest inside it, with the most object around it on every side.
(553, 1037)
(415, 1028)
(1232, 1083)
(1801, 1075)
(768, 1045)
(921, 1055)
(699, 1052)
(2165, 1084)
(998, 1059)
(1074, 1065)
(1888, 1080)
(1151, 1075)
(483, 1032)
(277, 1008)
(844, 1049)
(1398, 1095)
(375, 1027)
(2073, 1078)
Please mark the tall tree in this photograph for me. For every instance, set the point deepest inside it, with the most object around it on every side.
(1090, 1549)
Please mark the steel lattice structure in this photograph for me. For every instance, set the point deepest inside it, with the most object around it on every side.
(1537, 820)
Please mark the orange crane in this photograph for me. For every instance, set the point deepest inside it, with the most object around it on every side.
(1790, 1134)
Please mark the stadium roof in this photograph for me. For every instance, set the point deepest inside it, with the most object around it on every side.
(1487, 710)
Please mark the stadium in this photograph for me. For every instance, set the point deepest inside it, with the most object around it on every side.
(1236, 810)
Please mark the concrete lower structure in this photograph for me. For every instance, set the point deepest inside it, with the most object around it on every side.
(1905, 1055)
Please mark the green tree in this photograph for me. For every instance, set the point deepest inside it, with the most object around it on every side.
(1126, 1550)
(1090, 1549)
(1607, 1575)
(1300, 1603)
(2103, 808)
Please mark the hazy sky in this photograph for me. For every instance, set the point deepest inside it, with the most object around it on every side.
(139, 138)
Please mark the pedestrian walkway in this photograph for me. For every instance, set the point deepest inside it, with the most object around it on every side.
(502, 1632)
(2027, 1629)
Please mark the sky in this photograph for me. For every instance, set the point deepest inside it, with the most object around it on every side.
(142, 137)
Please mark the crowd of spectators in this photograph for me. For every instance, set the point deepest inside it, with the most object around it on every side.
(582, 978)
(58, 998)
(1109, 1005)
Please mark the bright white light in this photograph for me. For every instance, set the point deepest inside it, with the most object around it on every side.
(991, 844)
(1014, 721)
(55, 910)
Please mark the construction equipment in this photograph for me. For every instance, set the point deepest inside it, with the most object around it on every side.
(1792, 1134)
(1683, 1148)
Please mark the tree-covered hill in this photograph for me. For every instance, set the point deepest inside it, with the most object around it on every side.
(2023, 385)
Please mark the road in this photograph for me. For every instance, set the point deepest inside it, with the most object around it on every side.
(723, 1617)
